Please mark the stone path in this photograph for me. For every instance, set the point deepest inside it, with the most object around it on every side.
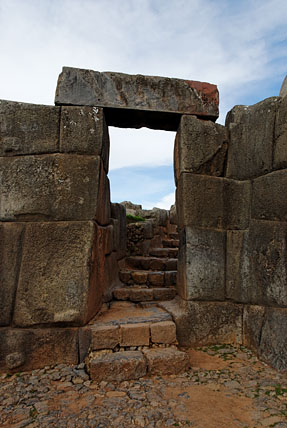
(227, 387)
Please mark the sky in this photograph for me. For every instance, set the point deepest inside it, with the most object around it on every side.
(239, 45)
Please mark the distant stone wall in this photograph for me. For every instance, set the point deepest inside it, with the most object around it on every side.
(232, 214)
(59, 237)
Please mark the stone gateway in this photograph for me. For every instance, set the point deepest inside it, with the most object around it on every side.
(66, 250)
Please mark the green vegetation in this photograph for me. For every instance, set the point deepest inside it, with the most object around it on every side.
(134, 218)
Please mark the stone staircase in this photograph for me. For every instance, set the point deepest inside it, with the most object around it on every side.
(131, 336)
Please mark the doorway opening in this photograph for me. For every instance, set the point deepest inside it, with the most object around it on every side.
(141, 167)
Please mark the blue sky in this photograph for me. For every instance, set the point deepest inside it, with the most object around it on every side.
(239, 45)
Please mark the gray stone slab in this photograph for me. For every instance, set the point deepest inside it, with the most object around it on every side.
(251, 132)
(28, 128)
(268, 201)
(54, 283)
(201, 264)
(283, 90)
(205, 323)
(253, 317)
(256, 264)
(118, 366)
(205, 201)
(137, 100)
(84, 130)
(11, 236)
(280, 133)
(273, 341)
(200, 147)
(28, 349)
(54, 187)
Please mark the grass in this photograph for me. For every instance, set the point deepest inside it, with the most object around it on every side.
(134, 218)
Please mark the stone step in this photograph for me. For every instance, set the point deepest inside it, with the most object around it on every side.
(174, 235)
(151, 263)
(148, 278)
(144, 294)
(164, 252)
(128, 365)
(170, 243)
(127, 325)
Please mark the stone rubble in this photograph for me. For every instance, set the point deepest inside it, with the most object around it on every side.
(227, 387)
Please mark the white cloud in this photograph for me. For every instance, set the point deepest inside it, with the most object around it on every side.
(241, 46)
(166, 201)
(140, 147)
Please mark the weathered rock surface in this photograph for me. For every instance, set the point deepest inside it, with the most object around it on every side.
(119, 220)
(273, 341)
(161, 99)
(283, 90)
(220, 203)
(28, 128)
(280, 134)
(252, 326)
(27, 349)
(205, 323)
(200, 147)
(256, 267)
(54, 282)
(84, 131)
(251, 132)
(11, 237)
(201, 264)
(268, 202)
(166, 361)
(118, 366)
(54, 187)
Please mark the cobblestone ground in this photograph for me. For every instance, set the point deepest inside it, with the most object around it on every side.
(226, 387)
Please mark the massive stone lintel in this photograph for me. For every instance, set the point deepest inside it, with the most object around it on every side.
(137, 100)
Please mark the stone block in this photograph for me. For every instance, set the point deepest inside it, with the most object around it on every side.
(173, 215)
(139, 277)
(171, 264)
(205, 323)
(140, 294)
(251, 131)
(253, 317)
(164, 293)
(166, 361)
(156, 279)
(105, 236)
(124, 96)
(104, 337)
(170, 277)
(122, 293)
(163, 332)
(215, 202)
(28, 128)
(135, 334)
(125, 276)
(118, 366)
(11, 237)
(156, 264)
(200, 147)
(201, 264)
(111, 276)
(28, 349)
(280, 133)
(255, 264)
(238, 268)
(118, 214)
(55, 285)
(53, 187)
(273, 341)
(267, 200)
(84, 130)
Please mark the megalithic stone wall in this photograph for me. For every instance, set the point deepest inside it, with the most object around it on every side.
(58, 255)
(232, 217)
